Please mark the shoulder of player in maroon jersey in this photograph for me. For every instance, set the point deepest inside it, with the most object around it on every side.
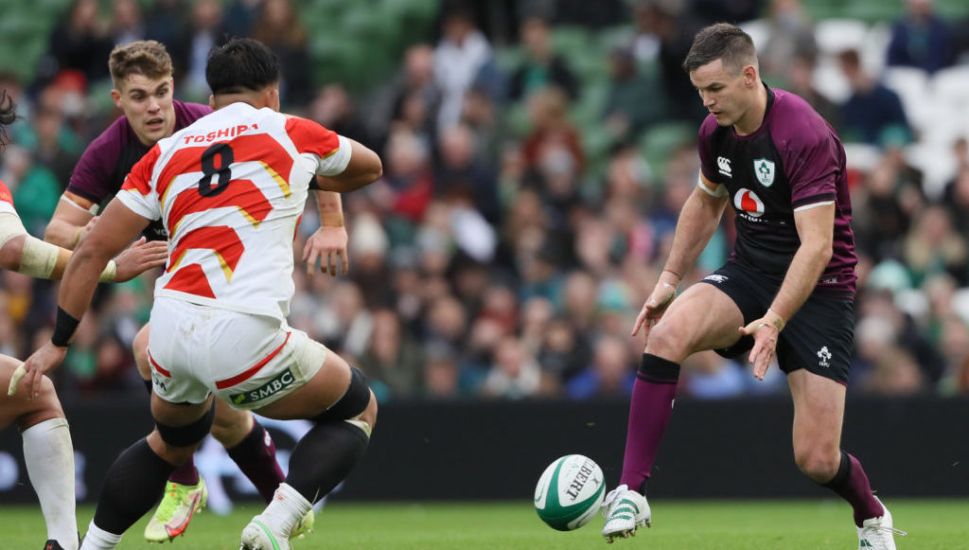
(193, 110)
(707, 127)
(794, 121)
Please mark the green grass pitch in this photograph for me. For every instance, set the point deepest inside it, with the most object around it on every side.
(693, 525)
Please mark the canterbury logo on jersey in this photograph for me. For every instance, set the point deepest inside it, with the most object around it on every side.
(723, 164)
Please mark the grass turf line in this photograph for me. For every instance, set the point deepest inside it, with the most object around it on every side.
(696, 525)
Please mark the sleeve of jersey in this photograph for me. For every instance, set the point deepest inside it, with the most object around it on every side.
(813, 173)
(708, 165)
(331, 150)
(92, 171)
(6, 200)
(137, 191)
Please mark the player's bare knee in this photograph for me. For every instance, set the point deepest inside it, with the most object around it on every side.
(43, 406)
(667, 340)
(229, 427)
(818, 464)
(46, 401)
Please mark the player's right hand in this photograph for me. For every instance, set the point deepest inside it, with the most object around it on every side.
(44, 360)
(655, 306)
(328, 245)
(140, 257)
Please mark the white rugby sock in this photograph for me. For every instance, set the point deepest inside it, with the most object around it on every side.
(49, 455)
(99, 539)
(285, 510)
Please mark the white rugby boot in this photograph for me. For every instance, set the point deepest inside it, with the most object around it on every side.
(625, 511)
(259, 536)
(878, 533)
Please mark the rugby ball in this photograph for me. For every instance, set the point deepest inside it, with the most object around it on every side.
(569, 492)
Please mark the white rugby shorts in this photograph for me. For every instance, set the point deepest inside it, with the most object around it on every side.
(247, 360)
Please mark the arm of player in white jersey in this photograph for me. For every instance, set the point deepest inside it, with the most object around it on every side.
(116, 229)
(364, 167)
(329, 243)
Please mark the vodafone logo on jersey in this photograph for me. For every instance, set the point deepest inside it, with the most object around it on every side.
(748, 202)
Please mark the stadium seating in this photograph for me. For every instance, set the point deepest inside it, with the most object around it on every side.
(836, 35)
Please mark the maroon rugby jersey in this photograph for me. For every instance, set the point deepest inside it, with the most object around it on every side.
(99, 173)
(793, 161)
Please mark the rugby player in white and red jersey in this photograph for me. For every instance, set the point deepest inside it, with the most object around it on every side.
(141, 72)
(48, 451)
(229, 190)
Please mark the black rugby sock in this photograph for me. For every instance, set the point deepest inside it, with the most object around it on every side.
(134, 484)
(324, 457)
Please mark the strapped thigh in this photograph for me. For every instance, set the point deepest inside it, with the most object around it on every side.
(190, 434)
(353, 402)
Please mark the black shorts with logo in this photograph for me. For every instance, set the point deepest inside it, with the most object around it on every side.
(818, 338)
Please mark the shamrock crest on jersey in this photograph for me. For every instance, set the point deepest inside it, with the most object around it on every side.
(764, 170)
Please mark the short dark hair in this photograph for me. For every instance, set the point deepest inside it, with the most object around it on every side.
(240, 65)
(8, 114)
(721, 41)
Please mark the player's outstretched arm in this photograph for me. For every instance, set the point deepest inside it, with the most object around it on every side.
(31, 256)
(698, 220)
(117, 227)
(363, 169)
(328, 244)
(73, 218)
(815, 228)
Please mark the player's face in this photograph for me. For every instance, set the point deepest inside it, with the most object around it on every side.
(147, 104)
(726, 93)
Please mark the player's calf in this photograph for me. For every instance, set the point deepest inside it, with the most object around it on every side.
(48, 450)
(321, 459)
(136, 479)
(250, 446)
(49, 456)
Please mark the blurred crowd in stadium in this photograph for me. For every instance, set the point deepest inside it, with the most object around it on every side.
(536, 155)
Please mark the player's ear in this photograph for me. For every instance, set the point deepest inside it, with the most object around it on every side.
(212, 102)
(272, 98)
(750, 76)
(116, 97)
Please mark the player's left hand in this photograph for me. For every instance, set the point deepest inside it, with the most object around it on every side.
(141, 256)
(765, 332)
(44, 360)
(329, 246)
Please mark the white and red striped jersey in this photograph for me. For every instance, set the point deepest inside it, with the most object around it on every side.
(6, 200)
(229, 190)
